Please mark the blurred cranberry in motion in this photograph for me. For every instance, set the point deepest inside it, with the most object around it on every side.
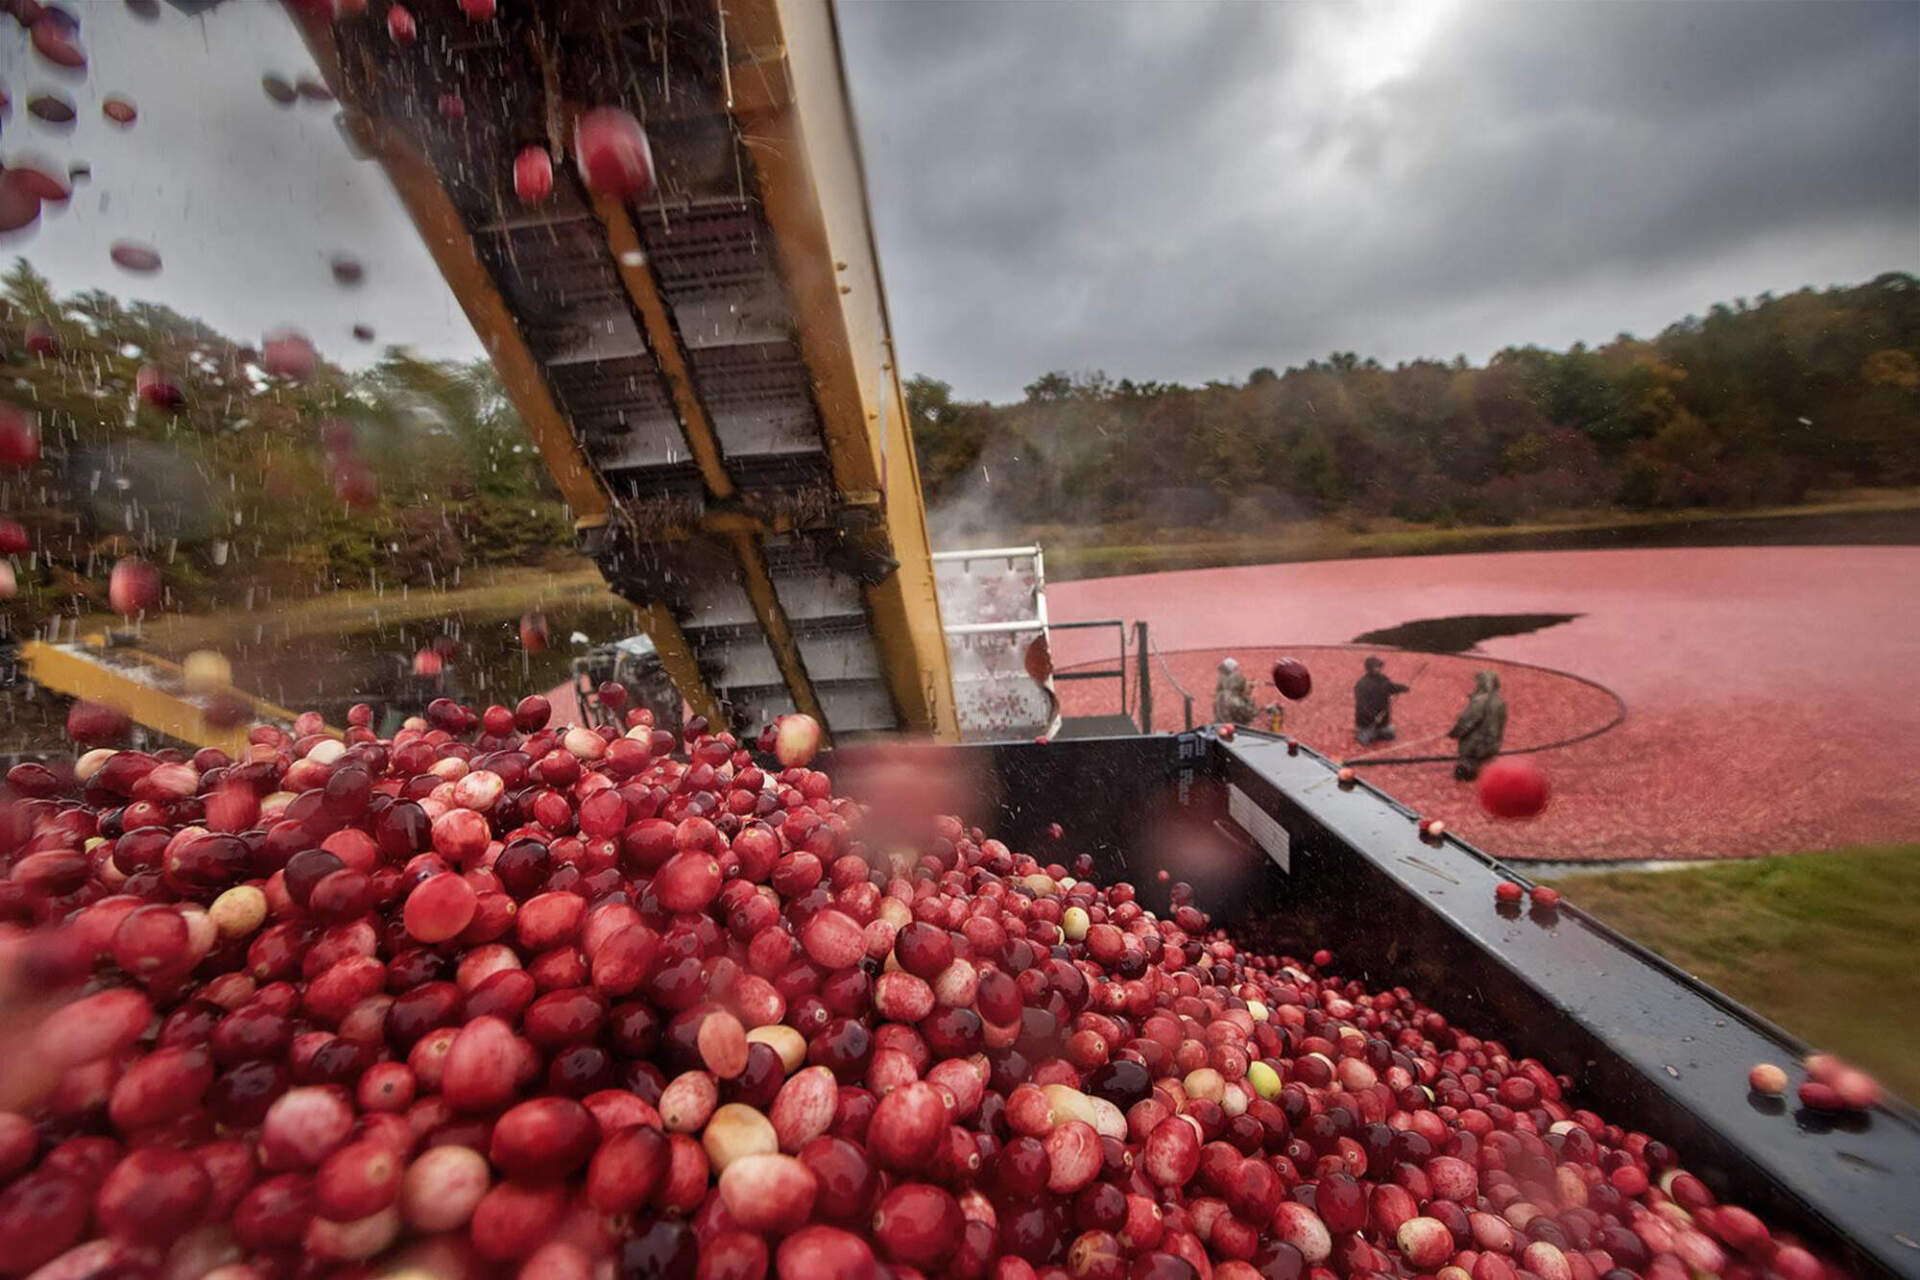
(611, 149)
(534, 633)
(93, 725)
(132, 255)
(19, 203)
(533, 175)
(1513, 787)
(41, 339)
(1292, 679)
(352, 482)
(157, 389)
(54, 39)
(288, 354)
(51, 108)
(133, 587)
(400, 25)
(19, 437)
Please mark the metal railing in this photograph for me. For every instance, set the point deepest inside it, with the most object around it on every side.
(1118, 671)
(1185, 697)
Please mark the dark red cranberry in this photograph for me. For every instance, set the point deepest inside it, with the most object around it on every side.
(581, 1069)
(661, 1250)
(241, 1095)
(843, 1046)
(307, 869)
(1121, 1082)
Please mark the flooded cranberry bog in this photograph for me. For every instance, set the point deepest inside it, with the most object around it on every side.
(1760, 694)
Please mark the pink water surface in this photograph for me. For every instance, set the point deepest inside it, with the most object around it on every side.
(1773, 693)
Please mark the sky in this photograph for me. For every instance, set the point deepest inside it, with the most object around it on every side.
(1185, 191)
(1166, 189)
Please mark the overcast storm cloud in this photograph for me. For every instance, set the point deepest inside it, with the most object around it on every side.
(1188, 191)
(1179, 190)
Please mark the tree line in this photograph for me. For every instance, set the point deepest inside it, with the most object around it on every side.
(1756, 403)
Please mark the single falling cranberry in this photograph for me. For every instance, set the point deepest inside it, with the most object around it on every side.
(134, 587)
(1513, 787)
(611, 150)
(401, 28)
(131, 255)
(533, 175)
(51, 108)
(287, 353)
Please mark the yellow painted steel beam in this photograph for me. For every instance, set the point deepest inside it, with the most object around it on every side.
(644, 292)
(448, 240)
(676, 655)
(776, 627)
(759, 83)
(788, 98)
(792, 204)
(75, 673)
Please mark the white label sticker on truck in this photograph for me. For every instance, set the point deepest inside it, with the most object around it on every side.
(1259, 824)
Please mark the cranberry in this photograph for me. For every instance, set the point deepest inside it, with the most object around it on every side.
(918, 1224)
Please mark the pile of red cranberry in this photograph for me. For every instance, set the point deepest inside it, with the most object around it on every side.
(499, 998)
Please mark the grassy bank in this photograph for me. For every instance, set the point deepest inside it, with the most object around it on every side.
(1886, 516)
(1822, 943)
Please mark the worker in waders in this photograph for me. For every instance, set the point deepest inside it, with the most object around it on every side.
(1232, 694)
(1373, 705)
(1481, 728)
